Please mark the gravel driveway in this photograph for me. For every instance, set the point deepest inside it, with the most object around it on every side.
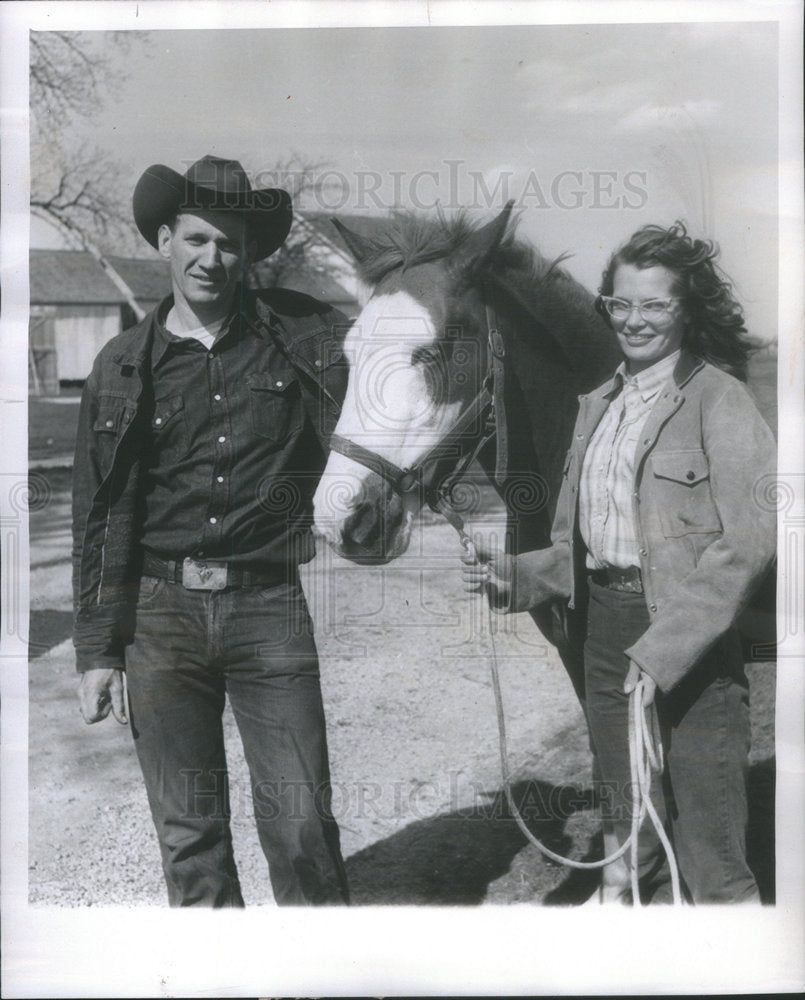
(413, 745)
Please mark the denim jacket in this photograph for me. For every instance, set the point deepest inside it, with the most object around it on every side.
(705, 522)
(108, 458)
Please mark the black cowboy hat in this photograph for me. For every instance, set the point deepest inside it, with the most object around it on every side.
(212, 184)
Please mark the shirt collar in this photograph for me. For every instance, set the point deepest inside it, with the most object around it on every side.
(648, 382)
(163, 337)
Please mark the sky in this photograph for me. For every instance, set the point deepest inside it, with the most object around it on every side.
(594, 130)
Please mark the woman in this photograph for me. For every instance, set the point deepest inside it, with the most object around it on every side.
(658, 541)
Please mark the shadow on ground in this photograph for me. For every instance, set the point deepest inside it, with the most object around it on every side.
(452, 859)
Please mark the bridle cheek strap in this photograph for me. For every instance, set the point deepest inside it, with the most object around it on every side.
(496, 374)
(482, 420)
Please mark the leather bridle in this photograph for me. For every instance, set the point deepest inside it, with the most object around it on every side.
(485, 412)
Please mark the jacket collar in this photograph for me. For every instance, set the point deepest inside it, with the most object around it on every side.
(686, 367)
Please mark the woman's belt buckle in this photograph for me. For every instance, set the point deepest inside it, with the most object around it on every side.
(628, 580)
(203, 575)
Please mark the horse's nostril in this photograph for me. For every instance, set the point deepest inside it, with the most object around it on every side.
(362, 527)
(373, 526)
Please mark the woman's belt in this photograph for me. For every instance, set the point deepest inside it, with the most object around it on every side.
(616, 578)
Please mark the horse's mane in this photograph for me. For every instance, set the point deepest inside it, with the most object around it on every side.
(550, 296)
(556, 344)
(412, 239)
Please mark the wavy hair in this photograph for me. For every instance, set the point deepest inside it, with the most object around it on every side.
(716, 332)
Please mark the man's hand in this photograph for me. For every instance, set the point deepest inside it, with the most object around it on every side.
(99, 692)
(649, 684)
(487, 570)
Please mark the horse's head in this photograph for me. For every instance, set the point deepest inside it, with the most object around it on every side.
(417, 356)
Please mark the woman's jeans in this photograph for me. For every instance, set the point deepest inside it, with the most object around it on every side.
(191, 648)
(704, 722)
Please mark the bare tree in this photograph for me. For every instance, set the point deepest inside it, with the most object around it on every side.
(73, 187)
(304, 250)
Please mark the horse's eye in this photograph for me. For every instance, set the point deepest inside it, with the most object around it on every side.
(426, 356)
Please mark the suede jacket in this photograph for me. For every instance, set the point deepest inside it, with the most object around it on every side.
(706, 526)
(107, 471)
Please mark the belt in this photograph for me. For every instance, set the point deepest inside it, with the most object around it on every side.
(209, 574)
(615, 578)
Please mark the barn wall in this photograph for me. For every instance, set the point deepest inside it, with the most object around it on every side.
(81, 331)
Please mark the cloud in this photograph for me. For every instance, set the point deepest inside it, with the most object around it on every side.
(678, 116)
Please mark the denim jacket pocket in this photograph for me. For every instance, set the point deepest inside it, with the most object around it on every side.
(275, 405)
(684, 497)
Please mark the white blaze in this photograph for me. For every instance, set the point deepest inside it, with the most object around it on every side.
(388, 408)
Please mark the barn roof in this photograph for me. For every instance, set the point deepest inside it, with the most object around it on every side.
(74, 277)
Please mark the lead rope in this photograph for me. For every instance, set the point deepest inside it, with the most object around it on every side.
(645, 756)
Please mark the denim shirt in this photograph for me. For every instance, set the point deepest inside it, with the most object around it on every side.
(233, 459)
(117, 409)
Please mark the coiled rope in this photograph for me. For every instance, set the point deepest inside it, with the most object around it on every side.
(645, 757)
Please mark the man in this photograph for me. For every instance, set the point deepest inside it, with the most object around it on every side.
(201, 439)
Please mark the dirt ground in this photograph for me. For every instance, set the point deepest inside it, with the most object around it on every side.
(413, 745)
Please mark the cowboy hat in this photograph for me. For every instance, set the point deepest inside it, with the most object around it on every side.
(212, 184)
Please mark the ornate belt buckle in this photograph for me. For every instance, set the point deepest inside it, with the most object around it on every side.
(203, 576)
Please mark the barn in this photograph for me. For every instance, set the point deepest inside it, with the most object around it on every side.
(75, 307)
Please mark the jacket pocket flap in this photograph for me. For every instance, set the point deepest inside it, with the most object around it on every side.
(110, 415)
(268, 382)
(166, 408)
(319, 349)
(686, 467)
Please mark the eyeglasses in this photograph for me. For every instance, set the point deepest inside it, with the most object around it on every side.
(651, 310)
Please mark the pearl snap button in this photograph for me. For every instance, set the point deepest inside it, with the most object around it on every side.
(158, 421)
(279, 384)
(222, 439)
(110, 423)
(213, 520)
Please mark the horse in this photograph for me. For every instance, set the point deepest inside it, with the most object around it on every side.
(453, 308)
(472, 347)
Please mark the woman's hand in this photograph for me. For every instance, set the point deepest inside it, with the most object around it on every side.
(649, 684)
(487, 570)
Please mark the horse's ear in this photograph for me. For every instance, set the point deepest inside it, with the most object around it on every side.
(476, 251)
(358, 246)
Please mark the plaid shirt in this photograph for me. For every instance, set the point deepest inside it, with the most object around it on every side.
(606, 518)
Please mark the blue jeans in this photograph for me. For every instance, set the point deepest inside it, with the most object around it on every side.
(191, 648)
(704, 723)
